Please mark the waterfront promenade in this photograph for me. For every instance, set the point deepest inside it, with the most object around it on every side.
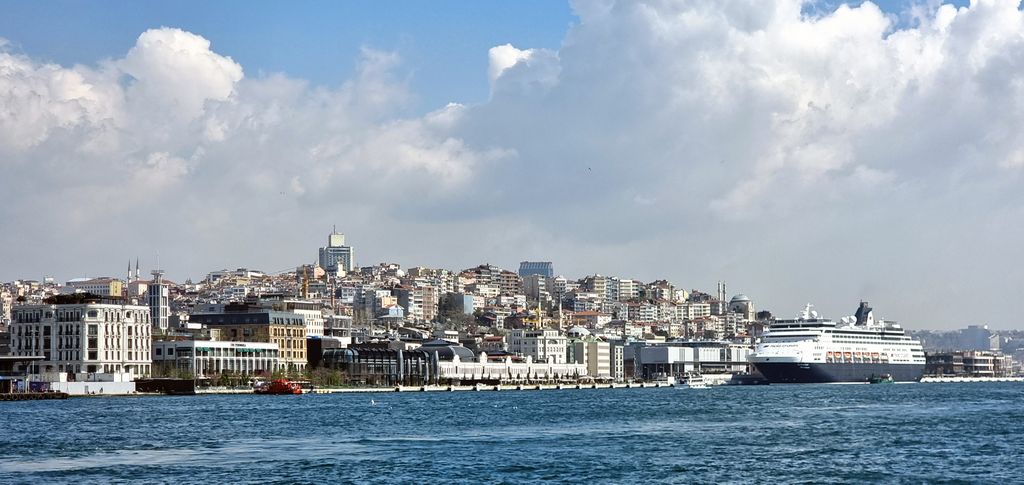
(553, 387)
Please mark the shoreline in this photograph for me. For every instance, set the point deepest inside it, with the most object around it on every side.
(505, 388)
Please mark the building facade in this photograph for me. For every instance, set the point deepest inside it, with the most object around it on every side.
(380, 363)
(98, 286)
(543, 268)
(207, 357)
(76, 339)
(595, 354)
(677, 358)
(239, 323)
(541, 345)
(158, 295)
(336, 256)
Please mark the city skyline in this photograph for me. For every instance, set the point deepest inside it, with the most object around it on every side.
(801, 152)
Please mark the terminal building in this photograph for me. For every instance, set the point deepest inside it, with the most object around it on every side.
(442, 362)
(207, 357)
(677, 358)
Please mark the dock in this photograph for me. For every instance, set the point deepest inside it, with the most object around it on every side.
(956, 379)
(488, 387)
(32, 396)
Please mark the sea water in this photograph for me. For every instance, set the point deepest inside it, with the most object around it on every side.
(907, 433)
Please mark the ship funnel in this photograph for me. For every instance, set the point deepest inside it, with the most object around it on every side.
(864, 317)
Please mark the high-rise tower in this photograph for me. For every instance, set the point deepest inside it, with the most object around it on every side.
(158, 296)
(336, 255)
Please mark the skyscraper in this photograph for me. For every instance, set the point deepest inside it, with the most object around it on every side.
(336, 255)
(543, 268)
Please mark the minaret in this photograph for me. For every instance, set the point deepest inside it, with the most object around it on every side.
(137, 275)
(560, 321)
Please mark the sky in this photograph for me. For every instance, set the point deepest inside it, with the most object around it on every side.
(800, 151)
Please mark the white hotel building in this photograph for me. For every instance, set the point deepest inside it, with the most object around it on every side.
(542, 345)
(81, 340)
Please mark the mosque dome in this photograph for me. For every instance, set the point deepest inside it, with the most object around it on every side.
(578, 332)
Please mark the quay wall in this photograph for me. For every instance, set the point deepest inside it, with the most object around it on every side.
(952, 379)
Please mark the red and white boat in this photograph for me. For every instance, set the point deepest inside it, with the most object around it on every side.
(279, 386)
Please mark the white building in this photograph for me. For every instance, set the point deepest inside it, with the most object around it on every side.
(488, 291)
(558, 287)
(159, 297)
(691, 310)
(84, 339)
(677, 358)
(312, 312)
(743, 306)
(618, 363)
(622, 289)
(206, 357)
(512, 300)
(6, 304)
(96, 286)
(542, 345)
(596, 355)
(240, 273)
(508, 371)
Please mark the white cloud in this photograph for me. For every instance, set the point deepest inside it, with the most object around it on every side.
(160, 144)
(176, 72)
(828, 155)
(38, 99)
(511, 68)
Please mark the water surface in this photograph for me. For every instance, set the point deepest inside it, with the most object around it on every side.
(913, 433)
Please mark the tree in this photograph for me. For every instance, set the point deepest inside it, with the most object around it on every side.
(323, 377)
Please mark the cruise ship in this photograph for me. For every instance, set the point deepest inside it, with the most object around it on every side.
(813, 349)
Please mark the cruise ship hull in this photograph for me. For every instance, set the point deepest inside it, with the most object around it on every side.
(793, 372)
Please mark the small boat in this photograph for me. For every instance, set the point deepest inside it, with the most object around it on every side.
(279, 386)
(664, 380)
(882, 379)
(692, 380)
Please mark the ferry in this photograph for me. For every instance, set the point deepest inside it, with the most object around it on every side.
(813, 349)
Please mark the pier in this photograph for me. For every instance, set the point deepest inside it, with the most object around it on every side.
(957, 379)
(32, 396)
(491, 388)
